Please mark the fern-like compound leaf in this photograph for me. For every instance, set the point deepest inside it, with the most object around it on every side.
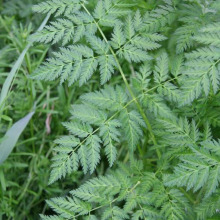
(58, 7)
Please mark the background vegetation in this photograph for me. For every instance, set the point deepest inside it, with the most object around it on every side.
(24, 176)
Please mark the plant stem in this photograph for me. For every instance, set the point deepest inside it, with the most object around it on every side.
(187, 195)
(127, 84)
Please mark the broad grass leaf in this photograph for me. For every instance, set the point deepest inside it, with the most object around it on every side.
(11, 137)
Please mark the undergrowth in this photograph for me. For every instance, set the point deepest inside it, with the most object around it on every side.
(129, 92)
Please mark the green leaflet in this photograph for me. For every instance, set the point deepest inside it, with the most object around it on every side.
(71, 63)
(85, 142)
(198, 168)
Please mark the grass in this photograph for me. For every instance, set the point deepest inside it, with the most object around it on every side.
(24, 176)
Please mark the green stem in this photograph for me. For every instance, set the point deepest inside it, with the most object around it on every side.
(127, 85)
(187, 195)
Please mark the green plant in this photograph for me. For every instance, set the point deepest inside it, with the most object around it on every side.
(24, 175)
(148, 76)
(144, 114)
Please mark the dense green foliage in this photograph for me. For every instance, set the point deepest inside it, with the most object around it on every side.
(139, 91)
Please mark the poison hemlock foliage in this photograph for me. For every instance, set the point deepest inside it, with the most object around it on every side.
(162, 115)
